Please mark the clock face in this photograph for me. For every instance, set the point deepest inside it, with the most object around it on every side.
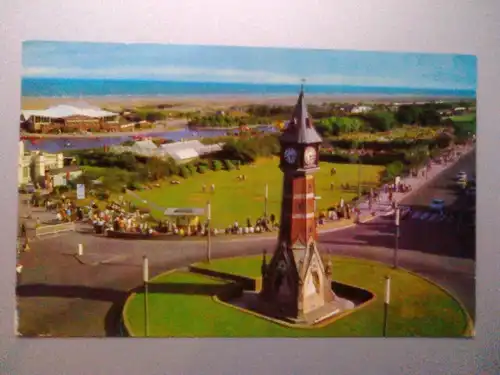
(310, 156)
(290, 155)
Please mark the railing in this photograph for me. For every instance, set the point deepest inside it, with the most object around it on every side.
(54, 229)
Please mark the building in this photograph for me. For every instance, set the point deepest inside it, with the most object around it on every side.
(33, 165)
(181, 152)
(297, 283)
(66, 118)
(188, 150)
(61, 176)
(361, 109)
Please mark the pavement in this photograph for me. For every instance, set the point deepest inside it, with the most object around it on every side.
(63, 295)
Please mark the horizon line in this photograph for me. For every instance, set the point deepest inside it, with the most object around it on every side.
(243, 82)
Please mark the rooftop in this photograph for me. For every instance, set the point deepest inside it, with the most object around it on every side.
(62, 111)
(301, 129)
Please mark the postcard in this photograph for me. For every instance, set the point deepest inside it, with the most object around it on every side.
(216, 191)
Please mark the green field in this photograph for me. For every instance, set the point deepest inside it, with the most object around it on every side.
(182, 306)
(466, 123)
(238, 200)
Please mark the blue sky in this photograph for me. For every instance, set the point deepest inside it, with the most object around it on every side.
(247, 65)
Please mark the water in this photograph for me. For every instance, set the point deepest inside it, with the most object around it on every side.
(70, 87)
(54, 145)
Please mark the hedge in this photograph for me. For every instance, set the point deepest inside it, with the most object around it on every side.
(229, 165)
(216, 165)
(185, 172)
(376, 159)
(379, 146)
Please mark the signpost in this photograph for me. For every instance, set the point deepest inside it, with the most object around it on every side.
(397, 214)
(209, 218)
(265, 201)
(80, 191)
(145, 278)
(387, 300)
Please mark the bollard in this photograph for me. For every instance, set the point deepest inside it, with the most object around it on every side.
(80, 249)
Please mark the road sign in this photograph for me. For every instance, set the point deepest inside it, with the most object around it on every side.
(80, 191)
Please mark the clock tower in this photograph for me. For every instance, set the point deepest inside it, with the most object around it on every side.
(296, 280)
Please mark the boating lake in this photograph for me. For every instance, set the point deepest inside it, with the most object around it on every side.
(54, 145)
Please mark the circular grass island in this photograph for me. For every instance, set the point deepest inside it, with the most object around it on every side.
(190, 304)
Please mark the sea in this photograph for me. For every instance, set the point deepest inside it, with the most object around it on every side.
(59, 87)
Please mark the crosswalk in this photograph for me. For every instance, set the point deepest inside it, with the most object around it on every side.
(428, 216)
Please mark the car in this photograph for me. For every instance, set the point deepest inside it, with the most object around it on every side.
(27, 189)
(471, 191)
(437, 205)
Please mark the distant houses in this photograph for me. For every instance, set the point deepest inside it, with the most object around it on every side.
(361, 109)
(44, 169)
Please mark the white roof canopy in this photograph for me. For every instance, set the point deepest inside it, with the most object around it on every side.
(62, 111)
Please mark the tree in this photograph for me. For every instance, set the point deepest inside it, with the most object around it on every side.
(380, 120)
(429, 116)
(407, 114)
(394, 169)
(444, 140)
(157, 168)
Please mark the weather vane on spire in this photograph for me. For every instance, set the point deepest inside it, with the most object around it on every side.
(303, 80)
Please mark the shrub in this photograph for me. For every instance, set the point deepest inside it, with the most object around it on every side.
(184, 172)
(202, 169)
(61, 189)
(395, 169)
(229, 165)
(216, 165)
(102, 195)
(191, 168)
(132, 185)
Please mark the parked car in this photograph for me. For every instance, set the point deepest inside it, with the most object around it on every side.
(471, 191)
(27, 189)
(437, 205)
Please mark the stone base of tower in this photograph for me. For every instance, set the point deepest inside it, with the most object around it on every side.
(254, 302)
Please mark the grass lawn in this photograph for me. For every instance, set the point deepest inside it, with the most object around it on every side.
(238, 200)
(466, 122)
(183, 306)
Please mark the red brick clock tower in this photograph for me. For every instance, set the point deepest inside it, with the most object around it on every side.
(296, 281)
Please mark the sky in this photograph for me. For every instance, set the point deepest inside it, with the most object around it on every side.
(247, 65)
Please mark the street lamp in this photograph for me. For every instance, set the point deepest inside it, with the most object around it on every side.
(359, 177)
(265, 201)
(396, 235)
(209, 241)
(387, 300)
(145, 279)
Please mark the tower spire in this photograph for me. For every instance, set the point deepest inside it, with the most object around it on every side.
(301, 129)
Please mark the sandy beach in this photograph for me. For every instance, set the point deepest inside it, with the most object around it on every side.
(187, 103)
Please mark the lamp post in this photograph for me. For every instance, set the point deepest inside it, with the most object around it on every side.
(396, 235)
(386, 302)
(359, 177)
(145, 279)
(209, 241)
(265, 200)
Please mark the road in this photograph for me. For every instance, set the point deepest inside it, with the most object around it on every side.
(63, 296)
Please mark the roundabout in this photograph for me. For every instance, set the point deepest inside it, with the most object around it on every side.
(195, 303)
